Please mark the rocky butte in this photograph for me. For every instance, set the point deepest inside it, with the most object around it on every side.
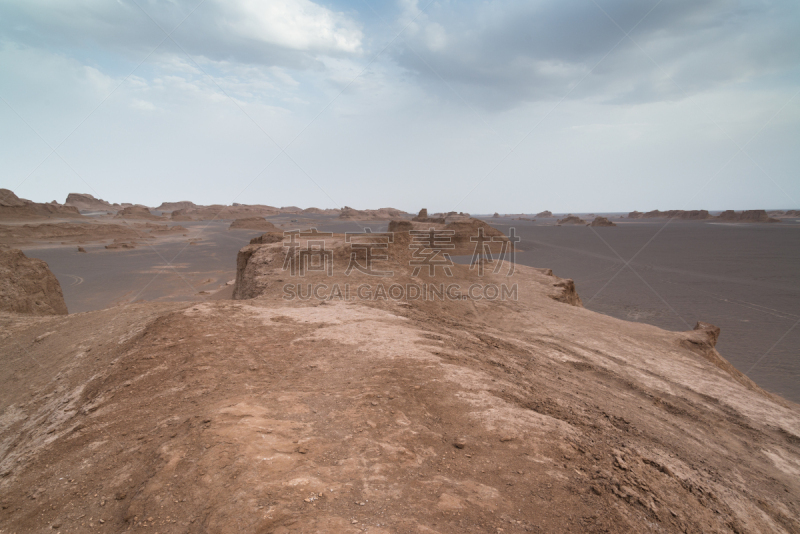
(495, 403)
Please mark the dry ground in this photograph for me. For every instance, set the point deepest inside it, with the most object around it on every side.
(268, 415)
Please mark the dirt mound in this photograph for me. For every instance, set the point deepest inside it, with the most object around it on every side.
(172, 206)
(747, 216)
(381, 214)
(137, 212)
(571, 219)
(27, 286)
(602, 221)
(253, 223)
(545, 214)
(84, 201)
(14, 208)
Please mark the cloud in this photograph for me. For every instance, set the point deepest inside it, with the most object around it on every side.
(502, 53)
(275, 32)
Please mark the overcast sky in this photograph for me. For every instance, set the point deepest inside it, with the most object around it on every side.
(478, 106)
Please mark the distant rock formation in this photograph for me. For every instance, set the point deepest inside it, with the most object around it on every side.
(85, 201)
(602, 221)
(496, 215)
(318, 211)
(14, 208)
(27, 286)
(220, 212)
(571, 219)
(782, 214)
(748, 216)
(137, 212)
(172, 206)
(252, 223)
(545, 213)
(372, 215)
(423, 217)
(692, 215)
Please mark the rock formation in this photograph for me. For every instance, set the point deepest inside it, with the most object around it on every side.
(382, 214)
(326, 413)
(85, 201)
(252, 223)
(220, 212)
(173, 206)
(82, 233)
(748, 216)
(545, 213)
(137, 212)
(692, 215)
(422, 217)
(571, 219)
(602, 221)
(14, 208)
(27, 286)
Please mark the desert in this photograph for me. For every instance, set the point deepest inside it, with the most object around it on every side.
(482, 393)
(403, 267)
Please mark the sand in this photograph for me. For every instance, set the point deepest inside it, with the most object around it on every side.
(269, 415)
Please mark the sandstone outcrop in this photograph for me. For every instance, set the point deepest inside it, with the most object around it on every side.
(85, 201)
(14, 208)
(571, 219)
(422, 217)
(692, 215)
(137, 212)
(27, 286)
(545, 213)
(252, 223)
(372, 215)
(174, 206)
(747, 216)
(602, 221)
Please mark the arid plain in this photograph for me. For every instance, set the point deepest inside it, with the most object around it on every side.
(189, 391)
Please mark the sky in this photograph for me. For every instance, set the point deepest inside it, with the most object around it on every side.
(476, 105)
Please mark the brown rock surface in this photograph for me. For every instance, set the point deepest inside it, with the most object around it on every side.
(602, 221)
(173, 206)
(27, 286)
(422, 415)
(83, 201)
(253, 223)
(221, 212)
(81, 232)
(381, 214)
(137, 212)
(545, 213)
(747, 216)
(692, 215)
(14, 208)
(571, 219)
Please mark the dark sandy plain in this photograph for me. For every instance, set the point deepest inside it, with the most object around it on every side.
(743, 278)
